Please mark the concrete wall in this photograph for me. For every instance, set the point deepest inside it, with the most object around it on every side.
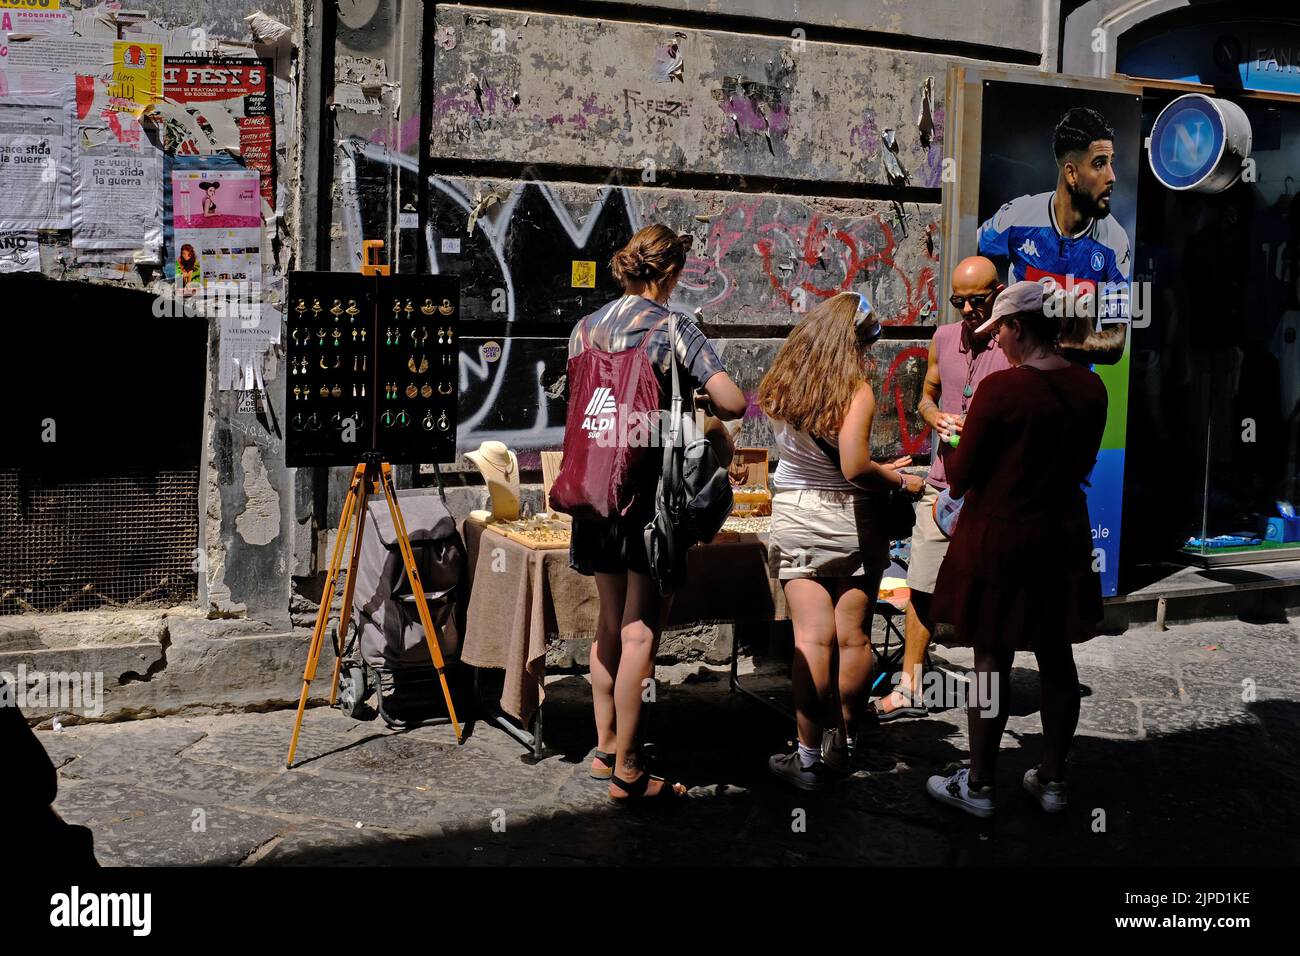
(1013, 25)
(533, 88)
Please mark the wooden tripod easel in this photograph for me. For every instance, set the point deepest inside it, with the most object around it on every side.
(369, 477)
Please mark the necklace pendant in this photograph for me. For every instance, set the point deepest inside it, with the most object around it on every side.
(968, 391)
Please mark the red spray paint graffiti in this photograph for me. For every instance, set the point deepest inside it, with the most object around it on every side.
(892, 390)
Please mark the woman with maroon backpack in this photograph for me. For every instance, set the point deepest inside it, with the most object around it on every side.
(617, 356)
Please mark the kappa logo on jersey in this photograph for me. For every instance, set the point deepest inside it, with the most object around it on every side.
(598, 417)
(1028, 248)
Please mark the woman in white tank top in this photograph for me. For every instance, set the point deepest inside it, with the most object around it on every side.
(826, 547)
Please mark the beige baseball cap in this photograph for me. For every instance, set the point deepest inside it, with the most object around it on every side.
(1026, 296)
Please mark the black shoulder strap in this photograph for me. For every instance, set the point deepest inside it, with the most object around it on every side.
(827, 448)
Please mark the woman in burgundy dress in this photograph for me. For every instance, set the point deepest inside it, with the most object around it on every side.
(1018, 574)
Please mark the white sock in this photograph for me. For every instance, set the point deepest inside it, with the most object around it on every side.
(808, 756)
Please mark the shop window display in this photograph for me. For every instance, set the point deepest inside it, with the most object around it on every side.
(1214, 416)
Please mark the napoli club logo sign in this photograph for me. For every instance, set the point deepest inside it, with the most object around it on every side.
(1199, 143)
(1097, 262)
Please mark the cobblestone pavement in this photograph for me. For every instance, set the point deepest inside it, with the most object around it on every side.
(1188, 753)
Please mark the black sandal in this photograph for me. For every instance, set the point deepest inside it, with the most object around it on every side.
(636, 791)
(607, 760)
(913, 708)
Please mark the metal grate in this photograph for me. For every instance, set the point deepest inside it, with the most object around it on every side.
(127, 538)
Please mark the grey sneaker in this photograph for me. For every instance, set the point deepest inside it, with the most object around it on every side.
(1050, 796)
(788, 768)
(835, 751)
(956, 792)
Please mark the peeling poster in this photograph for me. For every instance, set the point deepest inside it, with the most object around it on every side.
(35, 161)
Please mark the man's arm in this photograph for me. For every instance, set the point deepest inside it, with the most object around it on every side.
(1104, 347)
(928, 406)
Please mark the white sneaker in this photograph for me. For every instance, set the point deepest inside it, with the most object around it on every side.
(1050, 796)
(955, 791)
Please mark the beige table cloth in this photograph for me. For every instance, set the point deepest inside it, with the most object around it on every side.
(520, 597)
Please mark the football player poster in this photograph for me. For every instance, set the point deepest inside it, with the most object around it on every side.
(1058, 204)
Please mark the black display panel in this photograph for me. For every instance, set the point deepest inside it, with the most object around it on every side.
(372, 368)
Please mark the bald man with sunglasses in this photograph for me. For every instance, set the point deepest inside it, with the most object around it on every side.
(960, 358)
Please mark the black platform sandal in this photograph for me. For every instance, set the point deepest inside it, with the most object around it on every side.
(669, 793)
(605, 772)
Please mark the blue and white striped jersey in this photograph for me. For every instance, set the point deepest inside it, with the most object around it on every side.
(1024, 231)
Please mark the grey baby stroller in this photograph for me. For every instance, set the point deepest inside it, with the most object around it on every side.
(385, 653)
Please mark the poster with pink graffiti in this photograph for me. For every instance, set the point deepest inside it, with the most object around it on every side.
(216, 199)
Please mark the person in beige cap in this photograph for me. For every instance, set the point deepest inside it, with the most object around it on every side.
(1018, 574)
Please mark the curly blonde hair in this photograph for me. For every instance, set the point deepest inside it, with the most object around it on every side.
(817, 369)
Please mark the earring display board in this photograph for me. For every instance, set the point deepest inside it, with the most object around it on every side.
(372, 368)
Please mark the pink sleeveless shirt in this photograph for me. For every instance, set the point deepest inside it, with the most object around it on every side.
(957, 369)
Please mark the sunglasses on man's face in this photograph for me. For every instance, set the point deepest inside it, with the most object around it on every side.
(976, 301)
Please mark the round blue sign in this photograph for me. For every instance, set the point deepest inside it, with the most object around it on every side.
(1186, 142)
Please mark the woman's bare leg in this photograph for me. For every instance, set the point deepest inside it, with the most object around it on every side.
(986, 716)
(1059, 708)
(639, 638)
(605, 652)
(812, 613)
(853, 607)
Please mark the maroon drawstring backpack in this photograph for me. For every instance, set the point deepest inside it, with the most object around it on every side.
(613, 420)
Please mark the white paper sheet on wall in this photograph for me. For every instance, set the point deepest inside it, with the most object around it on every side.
(36, 160)
(242, 350)
(117, 200)
(44, 53)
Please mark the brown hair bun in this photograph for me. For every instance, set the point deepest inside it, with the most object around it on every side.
(654, 254)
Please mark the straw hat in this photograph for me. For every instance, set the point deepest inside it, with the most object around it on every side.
(499, 467)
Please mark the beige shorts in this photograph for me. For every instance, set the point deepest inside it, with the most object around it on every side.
(929, 546)
(824, 534)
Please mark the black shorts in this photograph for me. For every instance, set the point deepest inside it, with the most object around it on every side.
(609, 546)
